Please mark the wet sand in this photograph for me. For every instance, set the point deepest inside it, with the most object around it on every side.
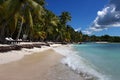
(44, 65)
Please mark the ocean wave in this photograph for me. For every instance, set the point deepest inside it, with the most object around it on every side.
(79, 64)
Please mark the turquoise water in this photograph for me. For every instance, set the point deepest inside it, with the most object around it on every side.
(105, 57)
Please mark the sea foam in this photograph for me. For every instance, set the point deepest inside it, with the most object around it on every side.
(79, 64)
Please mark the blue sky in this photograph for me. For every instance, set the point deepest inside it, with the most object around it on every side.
(83, 13)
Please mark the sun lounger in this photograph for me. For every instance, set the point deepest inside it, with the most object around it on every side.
(12, 41)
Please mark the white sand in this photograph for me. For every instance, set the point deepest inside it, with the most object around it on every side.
(14, 55)
(44, 65)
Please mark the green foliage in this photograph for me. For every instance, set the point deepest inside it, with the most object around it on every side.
(19, 12)
(30, 17)
(106, 38)
(65, 17)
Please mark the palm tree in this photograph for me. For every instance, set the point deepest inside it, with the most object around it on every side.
(50, 23)
(38, 33)
(21, 11)
(65, 17)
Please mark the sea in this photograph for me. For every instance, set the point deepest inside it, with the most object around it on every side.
(93, 61)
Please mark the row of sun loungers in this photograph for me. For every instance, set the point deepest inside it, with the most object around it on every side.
(12, 41)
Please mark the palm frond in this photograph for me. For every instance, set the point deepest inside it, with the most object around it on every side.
(12, 25)
(11, 9)
(38, 9)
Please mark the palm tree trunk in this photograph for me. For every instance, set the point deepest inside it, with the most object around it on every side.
(18, 36)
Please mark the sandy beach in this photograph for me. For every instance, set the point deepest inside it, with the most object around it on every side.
(44, 65)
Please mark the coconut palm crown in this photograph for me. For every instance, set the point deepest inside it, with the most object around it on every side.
(18, 12)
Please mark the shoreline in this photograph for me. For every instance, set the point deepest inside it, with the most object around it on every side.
(15, 55)
(43, 65)
(66, 61)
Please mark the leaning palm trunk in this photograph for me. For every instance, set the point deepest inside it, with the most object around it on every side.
(8, 12)
(13, 7)
(18, 36)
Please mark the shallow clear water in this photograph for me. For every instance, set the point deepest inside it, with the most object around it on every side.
(105, 57)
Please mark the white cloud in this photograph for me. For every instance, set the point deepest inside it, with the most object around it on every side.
(106, 18)
(78, 29)
(87, 32)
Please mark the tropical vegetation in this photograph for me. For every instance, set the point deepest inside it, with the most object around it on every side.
(31, 20)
